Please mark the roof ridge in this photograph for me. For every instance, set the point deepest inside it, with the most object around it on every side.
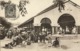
(74, 4)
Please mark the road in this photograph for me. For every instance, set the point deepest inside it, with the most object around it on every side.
(66, 45)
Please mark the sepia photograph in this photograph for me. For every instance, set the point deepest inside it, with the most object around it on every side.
(39, 25)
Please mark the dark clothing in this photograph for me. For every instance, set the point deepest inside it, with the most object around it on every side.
(9, 45)
(36, 38)
(32, 37)
(56, 43)
(42, 38)
(2, 34)
(19, 40)
(25, 37)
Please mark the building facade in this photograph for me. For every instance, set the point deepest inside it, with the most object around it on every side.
(53, 21)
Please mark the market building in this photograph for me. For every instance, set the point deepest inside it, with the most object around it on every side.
(53, 21)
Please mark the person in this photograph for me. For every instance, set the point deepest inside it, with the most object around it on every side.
(40, 36)
(9, 45)
(24, 35)
(29, 38)
(35, 38)
(16, 41)
(9, 34)
(2, 34)
(32, 37)
(15, 32)
(49, 37)
(43, 36)
(74, 30)
(56, 42)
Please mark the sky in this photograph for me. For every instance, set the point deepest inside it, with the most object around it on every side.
(34, 7)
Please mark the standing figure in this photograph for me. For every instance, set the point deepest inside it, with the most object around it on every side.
(9, 34)
(49, 37)
(43, 36)
(40, 37)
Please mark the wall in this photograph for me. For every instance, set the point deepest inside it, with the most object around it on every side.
(54, 14)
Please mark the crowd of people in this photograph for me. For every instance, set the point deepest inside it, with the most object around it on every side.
(22, 36)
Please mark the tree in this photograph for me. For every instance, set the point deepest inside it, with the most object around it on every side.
(22, 8)
(60, 4)
(3, 4)
(5, 23)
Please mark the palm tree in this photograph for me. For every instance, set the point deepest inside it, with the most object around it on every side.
(60, 4)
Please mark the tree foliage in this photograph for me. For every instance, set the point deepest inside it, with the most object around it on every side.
(3, 4)
(5, 23)
(22, 7)
(60, 4)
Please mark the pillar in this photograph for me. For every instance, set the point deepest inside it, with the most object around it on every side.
(54, 29)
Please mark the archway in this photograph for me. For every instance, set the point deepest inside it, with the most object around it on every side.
(66, 21)
(46, 25)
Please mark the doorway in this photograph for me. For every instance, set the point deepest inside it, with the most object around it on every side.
(67, 23)
(46, 25)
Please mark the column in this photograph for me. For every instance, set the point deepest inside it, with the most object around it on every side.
(53, 30)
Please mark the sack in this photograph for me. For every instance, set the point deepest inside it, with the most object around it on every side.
(29, 43)
(8, 46)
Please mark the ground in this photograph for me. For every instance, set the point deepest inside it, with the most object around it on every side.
(66, 45)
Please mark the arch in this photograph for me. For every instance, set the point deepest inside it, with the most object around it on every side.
(46, 25)
(67, 17)
(66, 21)
(46, 20)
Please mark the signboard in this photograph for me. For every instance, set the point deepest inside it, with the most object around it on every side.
(10, 11)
